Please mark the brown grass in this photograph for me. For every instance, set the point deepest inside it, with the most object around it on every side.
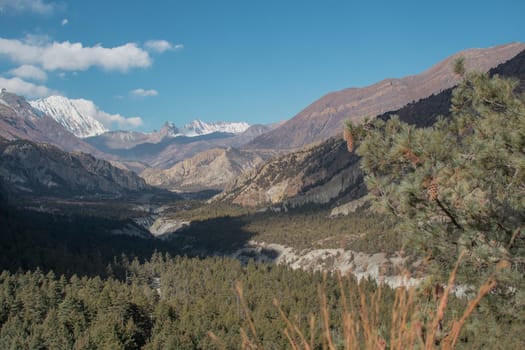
(361, 320)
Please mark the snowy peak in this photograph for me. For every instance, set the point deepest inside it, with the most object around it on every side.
(198, 127)
(169, 130)
(77, 116)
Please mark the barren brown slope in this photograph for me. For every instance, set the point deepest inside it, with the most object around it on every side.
(325, 117)
(211, 169)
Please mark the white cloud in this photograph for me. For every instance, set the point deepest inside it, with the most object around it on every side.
(144, 93)
(87, 107)
(29, 72)
(35, 6)
(22, 87)
(178, 47)
(158, 45)
(74, 56)
(64, 22)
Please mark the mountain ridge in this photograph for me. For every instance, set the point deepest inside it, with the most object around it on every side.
(19, 120)
(324, 117)
(43, 169)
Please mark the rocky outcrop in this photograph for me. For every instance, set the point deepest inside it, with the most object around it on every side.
(378, 267)
(318, 174)
(324, 118)
(212, 169)
(43, 169)
(348, 208)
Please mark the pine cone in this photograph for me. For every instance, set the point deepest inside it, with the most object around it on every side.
(411, 156)
(432, 190)
(349, 138)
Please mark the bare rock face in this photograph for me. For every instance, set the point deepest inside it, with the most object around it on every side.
(317, 174)
(43, 169)
(324, 118)
(212, 169)
(350, 207)
(379, 266)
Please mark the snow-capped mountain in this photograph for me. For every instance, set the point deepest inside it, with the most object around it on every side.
(76, 115)
(198, 127)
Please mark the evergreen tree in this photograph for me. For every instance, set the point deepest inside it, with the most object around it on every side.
(459, 185)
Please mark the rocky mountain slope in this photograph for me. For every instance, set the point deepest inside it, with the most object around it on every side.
(327, 172)
(43, 169)
(76, 115)
(19, 120)
(425, 112)
(161, 151)
(325, 117)
(211, 169)
(316, 174)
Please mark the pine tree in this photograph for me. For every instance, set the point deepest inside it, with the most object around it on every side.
(460, 184)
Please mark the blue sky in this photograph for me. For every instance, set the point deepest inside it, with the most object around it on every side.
(255, 61)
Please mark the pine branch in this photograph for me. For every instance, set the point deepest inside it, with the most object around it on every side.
(449, 214)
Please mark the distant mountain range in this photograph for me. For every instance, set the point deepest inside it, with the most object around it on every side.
(324, 118)
(79, 116)
(198, 128)
(163, 148)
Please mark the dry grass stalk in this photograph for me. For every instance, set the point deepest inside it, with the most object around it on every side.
(348, 321)
(326, 319)
(514, 236)
(240, 294)
(362, 327)
(218, 343)
(292, 331)
(246, 343)
(292, 342)
(349, 138)
(452, 338)
(429, 344)
(312, 330)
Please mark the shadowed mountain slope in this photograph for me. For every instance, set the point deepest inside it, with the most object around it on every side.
(43, 169)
